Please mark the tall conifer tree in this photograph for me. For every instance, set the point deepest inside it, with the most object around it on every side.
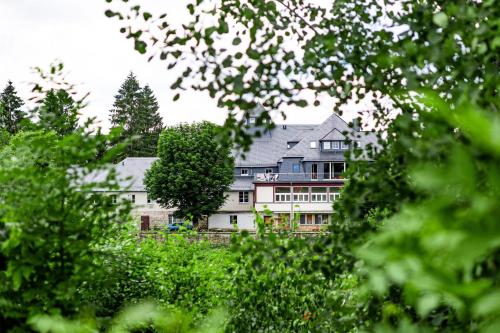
(136, 110)
(10, 110)
(150, 122)
(59, 112)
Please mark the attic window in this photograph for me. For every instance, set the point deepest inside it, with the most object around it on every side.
(313, 144)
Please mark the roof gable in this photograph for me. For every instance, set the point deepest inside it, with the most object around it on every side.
(334, 135)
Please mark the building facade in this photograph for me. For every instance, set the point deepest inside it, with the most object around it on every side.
(293, 171)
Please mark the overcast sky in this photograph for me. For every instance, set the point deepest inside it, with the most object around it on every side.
(98, 57)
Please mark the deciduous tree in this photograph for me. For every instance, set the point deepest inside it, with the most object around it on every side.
(193, 172)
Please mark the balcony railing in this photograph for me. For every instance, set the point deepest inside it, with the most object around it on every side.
(296, 177)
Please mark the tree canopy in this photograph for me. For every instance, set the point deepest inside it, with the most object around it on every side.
(193, 172)
(11, 114)
(59, 112)
(136, 109)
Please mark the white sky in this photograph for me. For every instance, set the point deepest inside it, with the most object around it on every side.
(98, 58)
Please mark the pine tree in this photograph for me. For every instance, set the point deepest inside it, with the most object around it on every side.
(10, 112)
(149, 121)
(136, 110)
(59, 113)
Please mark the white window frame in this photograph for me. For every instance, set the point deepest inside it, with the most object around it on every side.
(327, 145)
(333, 196)
(313, 145)
(335, 145)
(246, 173)
(301, 197)
(132, 198)
(282, 197)
(233, 219)
(251, 120)
(344, 145)
(243, 196)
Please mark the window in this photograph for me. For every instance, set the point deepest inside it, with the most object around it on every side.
(335, 145)
(133, 198)
(338, 169)
(321, 219)
(314, 171)
(333, 170)
(319, 194)
(113, 198)
(148, 199)
(244, 172)
(326, 171)
(306, 218)
(334, 193)
(301, 194)
(243, 197)
(327, 145)
(233, 219)
(251, 120)
(291, 144)
(295, 168)
(344, 145)
(269, 170)
(282, 194)
(313, 144)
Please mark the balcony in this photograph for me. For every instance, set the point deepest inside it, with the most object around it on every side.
(296, 177)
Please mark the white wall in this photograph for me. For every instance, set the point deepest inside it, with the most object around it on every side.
(264, 193)
(233, 204)
(221, 221)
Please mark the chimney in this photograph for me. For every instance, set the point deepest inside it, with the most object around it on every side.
(356, 124)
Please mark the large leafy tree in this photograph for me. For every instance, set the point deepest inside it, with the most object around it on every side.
(11, 114)
(193, 172)
(136, 110)
(59, 112)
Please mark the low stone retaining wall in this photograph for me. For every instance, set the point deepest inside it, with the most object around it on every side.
(219, 237)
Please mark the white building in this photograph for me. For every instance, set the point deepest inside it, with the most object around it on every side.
(291, 170)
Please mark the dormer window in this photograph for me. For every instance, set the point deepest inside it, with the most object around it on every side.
(291, 144)
(251, 120)
(313, 144)
(334, 145)
(244, 172)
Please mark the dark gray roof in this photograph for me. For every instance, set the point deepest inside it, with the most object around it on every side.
(265, 151)
(334, 135)
(332, 127)
(270, 148)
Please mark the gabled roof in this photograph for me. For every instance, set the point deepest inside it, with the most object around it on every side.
(269, 149)
(333, 127)
(334, 135)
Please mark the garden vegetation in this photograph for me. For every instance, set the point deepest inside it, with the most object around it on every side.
(415, 243)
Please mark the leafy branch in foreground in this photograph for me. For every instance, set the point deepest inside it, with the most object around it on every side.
(295, 52)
